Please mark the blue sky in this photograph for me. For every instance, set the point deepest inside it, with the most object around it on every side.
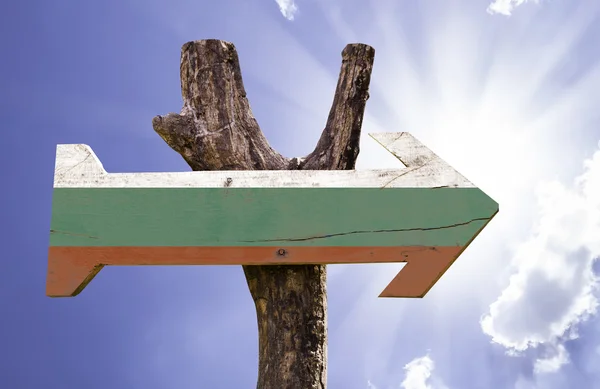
(505, 91)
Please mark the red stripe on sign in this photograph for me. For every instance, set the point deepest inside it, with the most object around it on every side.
(70, 269)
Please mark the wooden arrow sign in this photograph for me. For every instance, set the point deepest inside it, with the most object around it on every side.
(425, 215)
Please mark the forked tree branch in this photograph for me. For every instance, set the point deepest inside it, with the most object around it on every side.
(217, 131)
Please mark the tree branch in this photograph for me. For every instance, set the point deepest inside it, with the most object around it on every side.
(217, 131)
(338, 146)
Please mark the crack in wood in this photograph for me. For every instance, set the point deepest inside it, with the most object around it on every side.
(368, 232)
(403, 172)
(73, 234)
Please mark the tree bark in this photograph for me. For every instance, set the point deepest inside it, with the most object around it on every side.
(217, 131)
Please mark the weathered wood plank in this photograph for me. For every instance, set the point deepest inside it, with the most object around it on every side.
(78, 167)
(261, 217)
(203, 218)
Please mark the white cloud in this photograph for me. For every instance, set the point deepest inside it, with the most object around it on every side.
(505, 7)
(525, 383)
(288, 8)
(552, 288)
(418, 373)
(553, 362)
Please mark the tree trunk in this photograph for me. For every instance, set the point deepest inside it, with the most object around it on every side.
(217, 131)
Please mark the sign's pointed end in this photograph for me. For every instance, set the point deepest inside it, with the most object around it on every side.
(496, 207)
(76, 160)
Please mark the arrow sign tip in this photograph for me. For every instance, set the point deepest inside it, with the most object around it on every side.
(426, 265)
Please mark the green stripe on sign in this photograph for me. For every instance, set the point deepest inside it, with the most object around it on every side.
(268, 216)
